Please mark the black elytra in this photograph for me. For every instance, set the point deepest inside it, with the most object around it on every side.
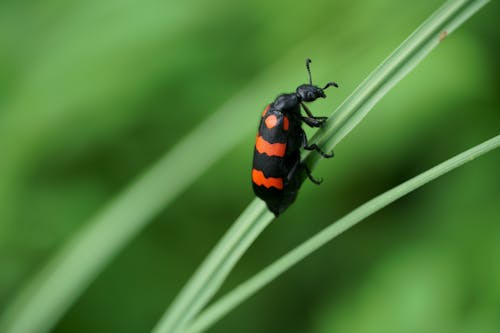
(277, 171)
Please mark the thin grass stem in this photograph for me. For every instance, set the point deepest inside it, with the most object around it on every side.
(246, 289)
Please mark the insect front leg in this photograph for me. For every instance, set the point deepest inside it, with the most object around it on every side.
(313, 122)
(309, 113)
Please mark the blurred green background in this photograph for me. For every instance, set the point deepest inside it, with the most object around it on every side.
(93, 92)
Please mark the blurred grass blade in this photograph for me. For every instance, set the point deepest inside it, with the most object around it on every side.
(210, 276)
(235, 297)
(45, 300)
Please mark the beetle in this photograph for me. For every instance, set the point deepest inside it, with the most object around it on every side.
(277, 171)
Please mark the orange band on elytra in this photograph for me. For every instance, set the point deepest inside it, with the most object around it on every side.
(271, 149)
(259, 179)
(285, 123)
(265, 110)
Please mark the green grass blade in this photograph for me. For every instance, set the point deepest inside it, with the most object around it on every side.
(48, 296)
(235, 297)
(193, 297)
(413, 50)
(207, 280)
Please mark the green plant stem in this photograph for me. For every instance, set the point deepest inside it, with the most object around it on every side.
(411, 52)
(210, 276)
(206, 281)
(242, 292)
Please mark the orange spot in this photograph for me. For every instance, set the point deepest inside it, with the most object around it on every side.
(271, 149)
(271, 121)
(259, 179)
(285, 123)
(265, 110)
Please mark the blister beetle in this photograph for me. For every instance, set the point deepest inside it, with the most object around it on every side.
(277, 170)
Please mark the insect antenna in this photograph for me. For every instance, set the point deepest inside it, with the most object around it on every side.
(331, 84)
(308, 61)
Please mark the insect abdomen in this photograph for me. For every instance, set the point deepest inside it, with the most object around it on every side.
(269, 172)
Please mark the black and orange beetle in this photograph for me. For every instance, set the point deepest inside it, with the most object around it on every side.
(277, 171)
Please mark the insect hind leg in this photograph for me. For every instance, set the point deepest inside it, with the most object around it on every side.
(295, 179)
(308, 172)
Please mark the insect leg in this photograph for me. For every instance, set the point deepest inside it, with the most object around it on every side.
(316, 181)
(314, 146)
(293, 176)
(309, 113)
(313, 122)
